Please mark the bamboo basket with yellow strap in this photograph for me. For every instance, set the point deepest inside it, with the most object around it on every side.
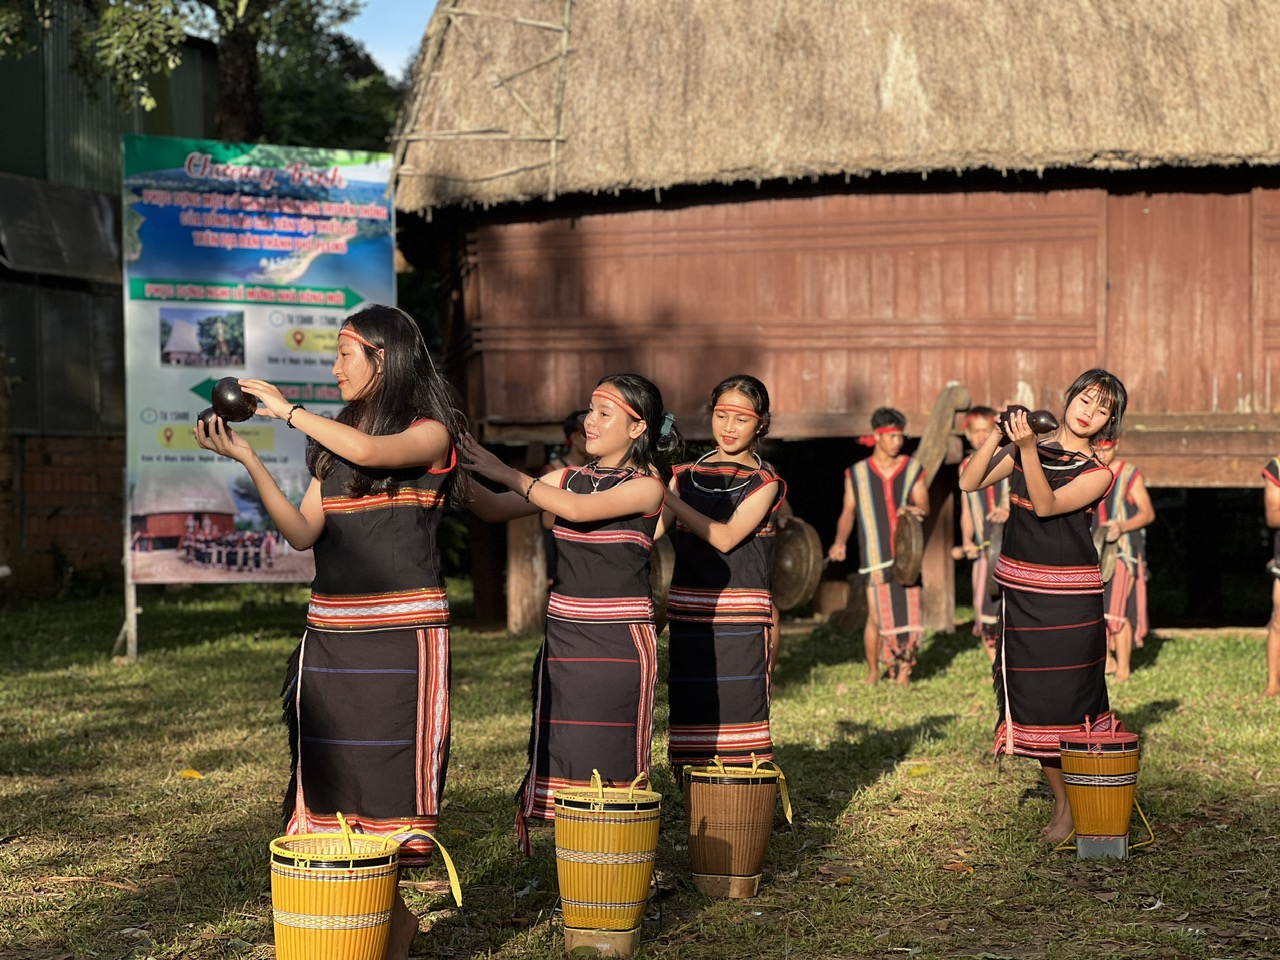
(1100, 772)
(332, 894)
(730, 821)
(606, 847)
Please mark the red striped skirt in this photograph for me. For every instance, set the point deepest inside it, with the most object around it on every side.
(372, 720)
(593, 686)
(719, 692)
(1050, 669)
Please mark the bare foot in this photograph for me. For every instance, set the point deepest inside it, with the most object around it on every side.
(1059, 828)
(1272, 691)
(873, 675)
(1120, 677)
(904, 676)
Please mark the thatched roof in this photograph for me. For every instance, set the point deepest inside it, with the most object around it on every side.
(521, 99)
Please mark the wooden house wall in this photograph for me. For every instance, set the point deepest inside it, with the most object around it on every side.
(842, 303)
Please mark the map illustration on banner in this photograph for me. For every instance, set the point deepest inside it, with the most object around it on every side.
(240, 260)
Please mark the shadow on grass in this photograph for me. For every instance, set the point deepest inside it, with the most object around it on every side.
(1146, 656)
(205, 890)
(800, 654)
(1149, 715)
(824, 779)
(82, 630)
(939, 650)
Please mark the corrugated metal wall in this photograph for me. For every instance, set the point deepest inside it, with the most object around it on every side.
(59, 128)
(83, 125)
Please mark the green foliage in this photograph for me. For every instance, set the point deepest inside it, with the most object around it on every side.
(322, 89)
(316, 86)
(129, 43)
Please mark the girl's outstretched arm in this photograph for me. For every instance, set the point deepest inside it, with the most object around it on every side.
(625, 499)
(497, 507)
(301, 527)
(422, 444)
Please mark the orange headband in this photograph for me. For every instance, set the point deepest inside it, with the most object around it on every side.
(600, 392)
(1102, 444)
(348, 332)
(734, 408)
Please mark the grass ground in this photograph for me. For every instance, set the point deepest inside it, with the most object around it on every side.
(137, 801)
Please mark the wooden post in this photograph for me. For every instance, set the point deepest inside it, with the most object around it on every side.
(487, 553)
(938, 447)
(938, 570)
(526, 575)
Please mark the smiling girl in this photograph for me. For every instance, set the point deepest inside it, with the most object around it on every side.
(367, 693)
(1049, 668)
(719, 606)
(593, 679)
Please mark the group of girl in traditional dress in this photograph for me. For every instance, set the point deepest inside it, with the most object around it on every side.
(595, 675)
(367, 693)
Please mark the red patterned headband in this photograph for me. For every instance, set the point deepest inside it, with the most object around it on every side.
(734, 408)
(348, 332)
(1103, 444)
(975, 415)
(622, 404)
(870, 441)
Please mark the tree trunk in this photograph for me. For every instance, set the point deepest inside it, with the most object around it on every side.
(239, 116)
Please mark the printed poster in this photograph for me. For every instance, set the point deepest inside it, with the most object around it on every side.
(240, 260)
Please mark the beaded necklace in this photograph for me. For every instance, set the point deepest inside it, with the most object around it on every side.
(693, 475)
(626, 473)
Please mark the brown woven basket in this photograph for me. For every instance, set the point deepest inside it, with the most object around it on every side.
(730, 821)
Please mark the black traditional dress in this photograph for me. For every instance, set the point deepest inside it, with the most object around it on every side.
(878, 499)
(371, 695)
(593, 679)
(719, 611)
(1050, 668)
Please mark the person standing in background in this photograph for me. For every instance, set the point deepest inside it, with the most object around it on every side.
(876, 491)
(1125, 512)
(980, 512)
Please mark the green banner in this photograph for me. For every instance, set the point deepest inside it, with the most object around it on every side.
(187, 291)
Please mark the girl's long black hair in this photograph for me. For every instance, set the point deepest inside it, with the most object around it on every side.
(1112, 393)
(652, 451)
(407, 387)
(753, 390)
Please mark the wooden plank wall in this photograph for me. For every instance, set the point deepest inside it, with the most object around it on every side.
(843, 303)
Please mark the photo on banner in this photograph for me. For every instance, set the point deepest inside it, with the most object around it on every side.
(240, 260)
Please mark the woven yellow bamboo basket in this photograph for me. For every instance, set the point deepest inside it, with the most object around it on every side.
(332, 893)
(1100, 770)
(730, 821)
(606, 846)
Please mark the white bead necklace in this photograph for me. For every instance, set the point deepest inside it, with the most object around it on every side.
(693, 476)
